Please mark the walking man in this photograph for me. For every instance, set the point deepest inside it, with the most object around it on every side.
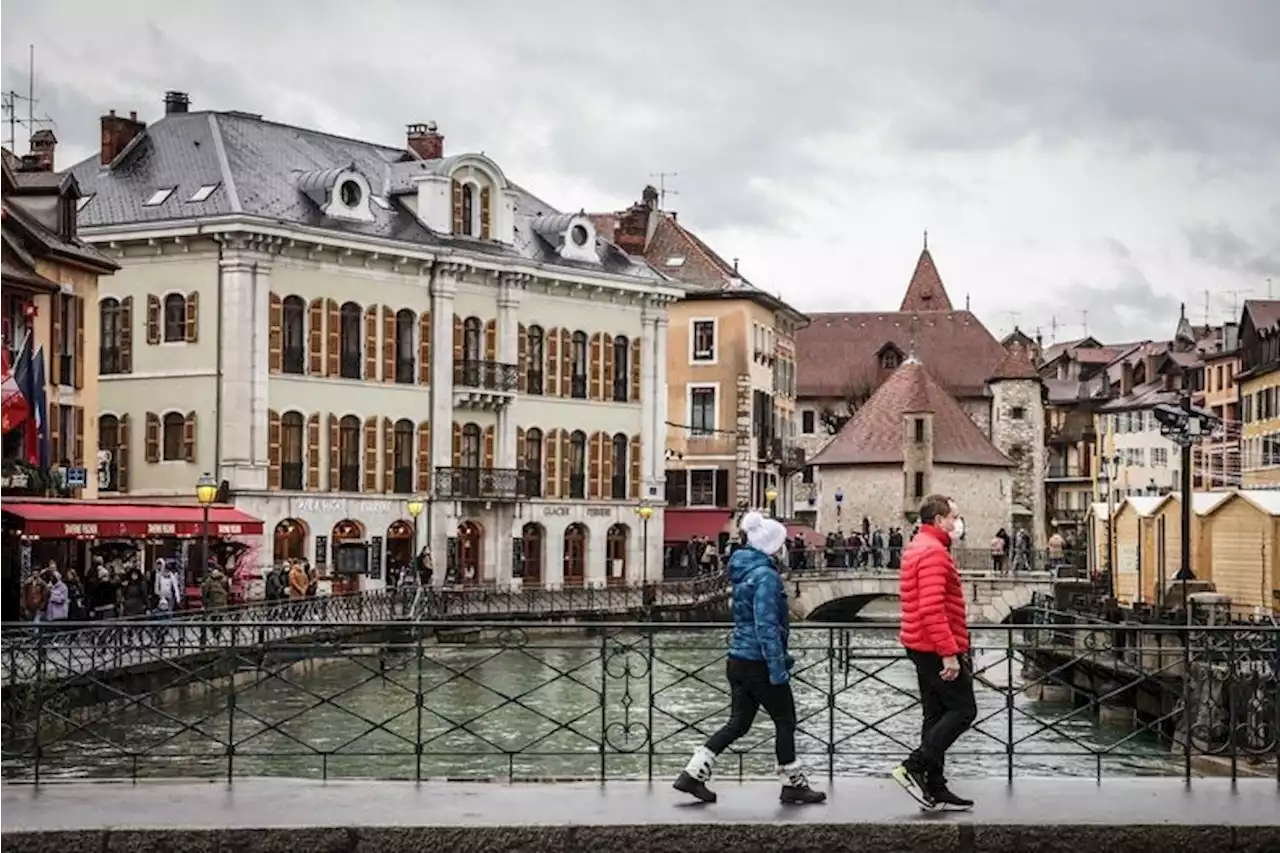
(936, 638)
(758, 666)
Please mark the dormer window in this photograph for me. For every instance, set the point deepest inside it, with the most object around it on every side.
(578, 234)
(468, 210)
(340, 193)
(349, 192)
(890, 357)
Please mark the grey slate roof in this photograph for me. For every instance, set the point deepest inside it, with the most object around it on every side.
(256, 165)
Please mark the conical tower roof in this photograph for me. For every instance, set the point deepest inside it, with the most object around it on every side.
(926, 292)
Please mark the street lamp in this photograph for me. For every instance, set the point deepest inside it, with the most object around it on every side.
(206, 494)
(645, 511)
(415, 505)
(772, 496)
(1110, 469)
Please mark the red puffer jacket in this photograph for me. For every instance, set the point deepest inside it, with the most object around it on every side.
(933, 612)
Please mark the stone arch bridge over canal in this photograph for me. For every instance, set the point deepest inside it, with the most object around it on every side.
(844, 596)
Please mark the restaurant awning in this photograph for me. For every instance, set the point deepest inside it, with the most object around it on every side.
(681, 525)
(109, 520)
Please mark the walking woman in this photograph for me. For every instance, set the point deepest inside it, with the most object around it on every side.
(758, 665)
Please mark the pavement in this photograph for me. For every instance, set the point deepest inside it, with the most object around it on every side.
(1131, 814)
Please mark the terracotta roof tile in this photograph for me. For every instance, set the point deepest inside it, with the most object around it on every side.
(874, 435)
(925, 292)
(1015, 364)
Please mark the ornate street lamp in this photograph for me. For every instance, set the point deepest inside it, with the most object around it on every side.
(206, 494)
(415, 505)
(771, 496)
(645, 511)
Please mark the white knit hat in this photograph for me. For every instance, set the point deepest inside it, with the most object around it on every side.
(764, 534)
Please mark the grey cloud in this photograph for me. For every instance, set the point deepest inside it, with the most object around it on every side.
(1126, 308)
(1219, 245)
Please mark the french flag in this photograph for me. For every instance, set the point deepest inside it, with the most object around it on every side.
(14, 406)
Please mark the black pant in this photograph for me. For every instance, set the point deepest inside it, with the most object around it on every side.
(949, 708)
(750, 688)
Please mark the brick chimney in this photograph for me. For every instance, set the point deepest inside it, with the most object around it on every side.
(426, 141)
(43, 143)
(176, 102)
(1126, 378)
(117, 133)
(632, 234)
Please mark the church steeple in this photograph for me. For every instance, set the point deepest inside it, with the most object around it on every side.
(925, 292)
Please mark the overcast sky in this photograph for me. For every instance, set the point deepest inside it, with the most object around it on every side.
(1118, 158)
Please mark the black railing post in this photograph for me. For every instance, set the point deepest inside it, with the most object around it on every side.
(652, 666)
(604, 707)
(831, 703)
(230, 676)
(1230, 688)
(1008, 705)
(1188, 716)
(419, 702)
(41, 653)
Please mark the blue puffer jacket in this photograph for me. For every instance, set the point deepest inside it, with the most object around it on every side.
(760, 621)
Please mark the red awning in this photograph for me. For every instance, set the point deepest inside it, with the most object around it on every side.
(681, 525)
(104, 520)
(807, 533)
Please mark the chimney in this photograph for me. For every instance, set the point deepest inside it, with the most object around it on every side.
(426, 141)
(176, 102)
(43, 143)
(1126, 379)
(117, 133)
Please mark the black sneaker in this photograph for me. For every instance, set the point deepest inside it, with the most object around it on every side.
(687, 784)
(915, 784)
(944, 796)
(796, 792)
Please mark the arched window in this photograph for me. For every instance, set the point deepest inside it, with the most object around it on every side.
(618, 483)
(109, 446)
(291, 452)
(349, 341)
(533, 461)
(471, 446)
(293, 335)
(615, 550)
(175, 318)
(468, 210)
(349, 454)
(536, 354)
(110, 337)
(471, 329)
(405, 324)
(172, 438)
(578, 465)
(402, 456)
(621, 373)
(575, 554)
(579, 373)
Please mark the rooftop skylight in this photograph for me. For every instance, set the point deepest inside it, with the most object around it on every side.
(82, 201)
(204, 192)
(675, 261)
(159, 197)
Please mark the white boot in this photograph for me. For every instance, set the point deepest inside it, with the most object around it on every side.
(701, 764)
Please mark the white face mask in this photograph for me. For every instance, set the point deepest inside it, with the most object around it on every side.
(957, 529)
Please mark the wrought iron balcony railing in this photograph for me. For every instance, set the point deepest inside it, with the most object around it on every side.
(109, 361)
(484, 484)
(486, 375)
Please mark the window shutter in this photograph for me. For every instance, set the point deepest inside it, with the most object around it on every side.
(606, 466)
(491, 341)
(77, 455)
(551, 484)
(593, 465)
(594, 370)
(566, 363)
(315, 337)
(274, 479)
(371, 454)
(126, 335)
(490, 439)
(457, 208)
(55, 434)
(424, 349)
(189, 437)
(335, 340)
(457, 445)
(635, 370)
(424, 458)
(153, 319)
(313, 452)
(458, 340)
(122, 453)
(551, 382)
(335, 453)
(371, 343)
(634, 488)
(606, 367)
(388, 346)
(58, 322)
(565, 463)
(81, 353)
(193, 316)
(522, 358)
(153, 437)
(275, 340)
(522, 457)
(485, 218)
(388, 456)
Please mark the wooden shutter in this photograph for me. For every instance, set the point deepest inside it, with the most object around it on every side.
(457, 208)
(77, 454)
(315, 337)
(335, 338)
(566, 463)
(371, 453)
(593, 466)
(485, 218)
(457, 445)
(634, 487)
(122, 453)
(126, 335)
(522, 359)
(82, 354)
(606, 467)
(275, 339)
(459, 337)
(335, 453)
(388, 345)
(551, 382)
(153, 319)
(189, 437)
(551, 482)
(490, 439)
(635, 371)
(193, 316)
(388, 456)
(371, 343)
(566, 363)
(59, 324)
(424, 349)
(313, 452)
(424, 457)
(606, 367)
(153, 437)
(522, 457)
(491, 341)
(56, 449)
(274, 478)
(595, 369)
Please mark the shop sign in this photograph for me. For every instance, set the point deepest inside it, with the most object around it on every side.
(555, 510)
(162, 529)
(230, 529)
(599, 512)
(73, 530)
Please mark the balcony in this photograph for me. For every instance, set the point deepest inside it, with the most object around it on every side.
(1060, 516)
(293, 361)
(291, 476)
(484, 384)
(109, 362)
(1074, 431)
(1067, 472)
(481, 484)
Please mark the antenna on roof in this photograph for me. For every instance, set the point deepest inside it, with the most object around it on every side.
(663, 192)
(11, 100)
(926, 239)
(911, 354)
(966, 302)
(1053, 329)
(1085, 317)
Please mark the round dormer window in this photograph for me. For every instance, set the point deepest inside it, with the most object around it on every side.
(578, 234)
(350, 193)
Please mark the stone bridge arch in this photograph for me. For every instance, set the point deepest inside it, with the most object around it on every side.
(991, 601)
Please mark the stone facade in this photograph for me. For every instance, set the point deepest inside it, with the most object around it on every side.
(1017, 430)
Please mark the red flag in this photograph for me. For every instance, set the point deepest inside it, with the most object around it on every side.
(14, 407)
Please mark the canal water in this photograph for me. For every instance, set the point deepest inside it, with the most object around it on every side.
(573, 705)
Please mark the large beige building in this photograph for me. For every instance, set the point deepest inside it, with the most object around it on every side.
(331, 327)
(1259, 390)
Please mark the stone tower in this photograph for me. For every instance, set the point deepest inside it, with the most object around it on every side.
(1017, 430)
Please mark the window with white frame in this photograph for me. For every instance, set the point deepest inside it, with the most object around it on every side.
(704, 340)
(1159, 457)
(702, 410)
